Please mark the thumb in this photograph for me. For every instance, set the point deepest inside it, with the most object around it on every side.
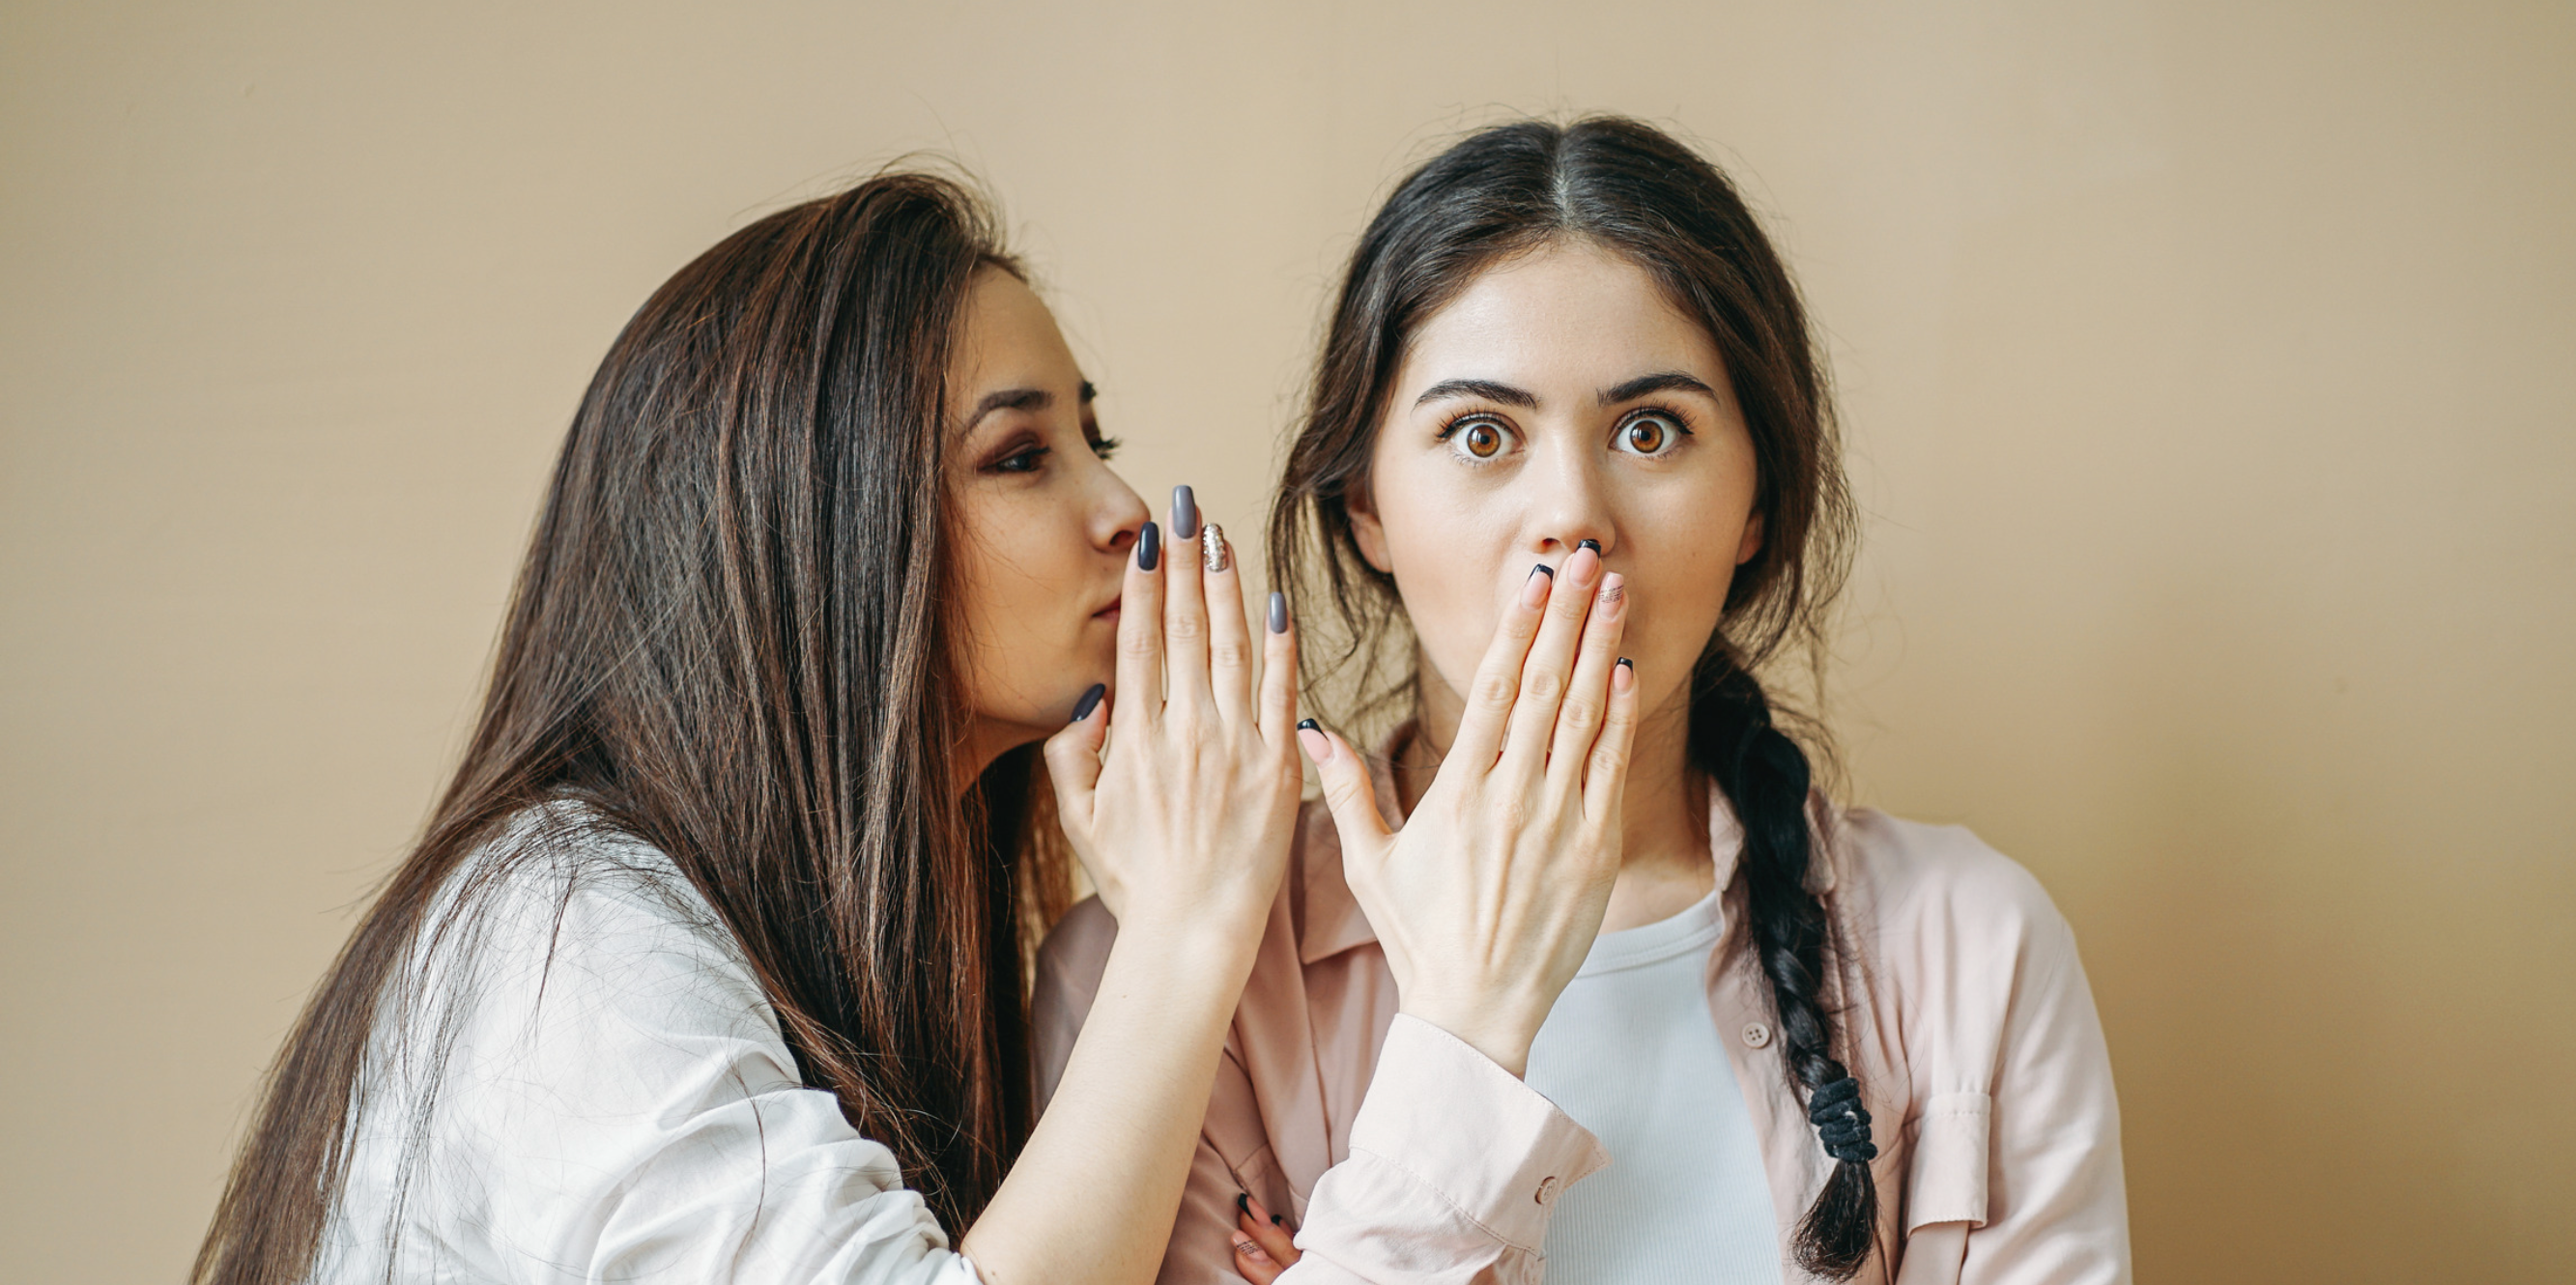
(1073, 755)
(1348, 791)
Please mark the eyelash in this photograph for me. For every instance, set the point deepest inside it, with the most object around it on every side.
(1101, 448)
(1677, 419)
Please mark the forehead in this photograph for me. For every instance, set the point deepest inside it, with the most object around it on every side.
(1007, 336)
(1568, 310)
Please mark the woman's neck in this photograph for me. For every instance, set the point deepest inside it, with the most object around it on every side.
(1664, 863)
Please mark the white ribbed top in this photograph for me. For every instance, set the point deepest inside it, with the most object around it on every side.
(1631, 1053)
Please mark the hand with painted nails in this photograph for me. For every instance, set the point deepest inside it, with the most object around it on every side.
(1179, 788)
(1490, 895)
(1264, 1244)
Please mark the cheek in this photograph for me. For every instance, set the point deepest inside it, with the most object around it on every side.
(1449, 552)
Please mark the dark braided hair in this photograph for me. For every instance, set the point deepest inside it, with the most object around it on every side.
(1633, 190)
(1764, 776)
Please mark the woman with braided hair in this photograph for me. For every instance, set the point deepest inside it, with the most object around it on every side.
(1782, 1041)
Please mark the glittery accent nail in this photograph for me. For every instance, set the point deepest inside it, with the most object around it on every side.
(1214, 553)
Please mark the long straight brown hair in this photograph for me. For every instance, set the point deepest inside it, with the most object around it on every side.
(1634, 191)
(733, 639)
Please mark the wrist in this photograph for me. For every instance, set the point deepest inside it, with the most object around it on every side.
(1502, 1032)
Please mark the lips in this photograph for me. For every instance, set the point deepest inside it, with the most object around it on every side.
(1110, 612)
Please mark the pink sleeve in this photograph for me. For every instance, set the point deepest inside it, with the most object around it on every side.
(1454, 1168)
(2048, 1206)
(2057, 1207)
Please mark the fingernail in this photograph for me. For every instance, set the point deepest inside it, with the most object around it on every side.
(1243, 1203)
(1278, 612)
(1614, 593)
(1089, 702)
(1624, 676)
(1319, 747)
(1308, 725)
(1594, 545)
(1627, 662)
(1149, 547)
(1214, 553)
(1185, 513)
(1535, 591)
(1278, 1221)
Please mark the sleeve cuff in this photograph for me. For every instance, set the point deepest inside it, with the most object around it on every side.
(1489, 1144)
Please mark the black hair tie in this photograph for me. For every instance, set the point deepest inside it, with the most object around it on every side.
(1842, 1124)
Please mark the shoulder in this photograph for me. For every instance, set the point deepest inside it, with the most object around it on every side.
(1918, 879)
(559, 915)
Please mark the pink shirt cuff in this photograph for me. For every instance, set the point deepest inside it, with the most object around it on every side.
(1491, 1146)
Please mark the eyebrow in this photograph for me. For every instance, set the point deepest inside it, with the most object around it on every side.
(1661, 382)
(1488, 389)
(1022, 399)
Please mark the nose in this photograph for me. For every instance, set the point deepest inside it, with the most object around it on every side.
(1567, 505)
(1118, 514)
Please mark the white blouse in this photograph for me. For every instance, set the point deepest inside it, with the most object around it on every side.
(617, 1101)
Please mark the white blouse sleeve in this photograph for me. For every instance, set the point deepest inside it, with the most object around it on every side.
(618, 1105)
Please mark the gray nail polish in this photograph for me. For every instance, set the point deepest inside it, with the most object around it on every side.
(1278, 612)
(1594, 545)
(1089, 702)
(1543, 569)
(1149, 548)
(1185, 514)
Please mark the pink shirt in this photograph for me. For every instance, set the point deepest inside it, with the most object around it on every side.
(1406, 1156)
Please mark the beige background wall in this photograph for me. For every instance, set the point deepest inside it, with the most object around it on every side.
(2207, 367)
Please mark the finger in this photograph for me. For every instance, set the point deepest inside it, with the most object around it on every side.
(1255, 1266)
(1349, 794)
(1278, 672)
(1269, 1231)
(1140, 628)
(1073, 754)
(1185, 617)
(1580, 715)
(1551, 663)
(1605, 773)
(1498, 675)
(1229, 635)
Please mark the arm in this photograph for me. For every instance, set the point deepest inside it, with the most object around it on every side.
(2022, 1185)
(2060, 1211)
(1179, 794)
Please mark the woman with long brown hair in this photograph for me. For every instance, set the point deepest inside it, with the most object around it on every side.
(1812, 1043)
(711, 962)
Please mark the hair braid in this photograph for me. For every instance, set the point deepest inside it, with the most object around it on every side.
(1764, 776)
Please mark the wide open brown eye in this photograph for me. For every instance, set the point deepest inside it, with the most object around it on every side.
(1483, 441)
(1647, 436)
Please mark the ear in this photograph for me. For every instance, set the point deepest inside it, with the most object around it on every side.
(1369, 533)
(1751, 543)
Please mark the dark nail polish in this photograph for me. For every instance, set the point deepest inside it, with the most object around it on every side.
(1185, 513)
(1546, 570)
(1149, 547)
(1278, 1220)
(1308, 725)
(1243, 1203)
(1278, 612)
(1594, 545)
(1089, 702)
(1632, 665)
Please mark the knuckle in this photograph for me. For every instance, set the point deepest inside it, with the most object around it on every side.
(1231, 655)
(1495, 690)
(1544, 685)
(1139, 645)
(1580, 712)
(1187, 625)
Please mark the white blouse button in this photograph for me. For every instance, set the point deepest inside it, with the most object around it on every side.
(1756, 1035)
(1547, 1189)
